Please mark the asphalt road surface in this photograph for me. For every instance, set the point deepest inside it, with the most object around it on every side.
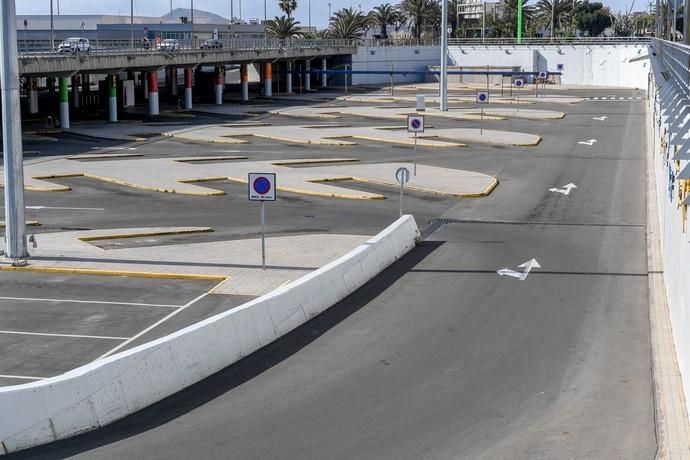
(439, 357)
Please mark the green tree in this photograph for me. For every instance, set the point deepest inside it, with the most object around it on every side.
(287, 6)
(348, 24)
(506, 26)
(420, 14)
(283, 28)
(592, 18)
(385, 15)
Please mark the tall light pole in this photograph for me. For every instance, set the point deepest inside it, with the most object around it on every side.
(553, 17)
(232, 11)
(52, 28)
(444, 57)
(131, 23)
(519, 22)
(15, 225)
(192, 17)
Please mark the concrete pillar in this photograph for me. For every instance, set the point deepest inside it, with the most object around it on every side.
(33, 96)
(244, 78)
(268, 79)
(173, 81)
(324, 76)
(288, 78)
(75, 92)
(85, 83)
(219, 84)
(307, 75)
(145, 77)
(112, 98)
(153, 93)
(188, 88)
(64, 104)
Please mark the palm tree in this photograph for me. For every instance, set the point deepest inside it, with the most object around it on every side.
(348, 24)
(283, 28)
(287, 6)
(420, 13)
(383, 16)
(554, 14)
(319, 34)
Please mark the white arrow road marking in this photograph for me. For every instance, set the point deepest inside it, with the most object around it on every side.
(113, 148)
(601, 118)
(64, 208)
(589, 142)
(565, 190)
(528, 266)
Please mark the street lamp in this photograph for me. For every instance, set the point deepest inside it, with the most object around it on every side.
(131, 23)
(444, 57)
(52, 28)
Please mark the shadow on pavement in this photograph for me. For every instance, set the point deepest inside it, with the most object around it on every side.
(236, 374)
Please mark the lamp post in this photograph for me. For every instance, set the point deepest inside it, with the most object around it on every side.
(131, 23)
(444, 57)
(192, 17)
(52, 28)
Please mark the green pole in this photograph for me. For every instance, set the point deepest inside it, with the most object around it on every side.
(519, 22)
(64, 104)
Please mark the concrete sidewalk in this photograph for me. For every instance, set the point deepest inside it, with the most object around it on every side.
(237, 261)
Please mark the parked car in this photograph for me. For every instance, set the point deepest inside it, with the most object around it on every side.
(169, 44)
(211, 43)
(75, 45)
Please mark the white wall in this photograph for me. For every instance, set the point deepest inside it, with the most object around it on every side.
(671, 116)
(597, 65)
(380, 58)
(100, 393)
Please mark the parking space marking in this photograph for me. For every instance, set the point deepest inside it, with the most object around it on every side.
(96, 302)
(20, 377)
(156, 324)
(72, 336)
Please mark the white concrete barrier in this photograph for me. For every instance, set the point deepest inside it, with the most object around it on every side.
(100, 393)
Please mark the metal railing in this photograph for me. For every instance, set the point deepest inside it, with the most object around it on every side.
(675, 59)
(44, 48)
(549, 41)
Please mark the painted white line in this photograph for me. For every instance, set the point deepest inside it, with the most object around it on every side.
(596, 98)
(97, 302)
(522, 276)
(589, 142)
(72, 336)
(65, 208)
(156, 324)
(20, 377)
(565, 190)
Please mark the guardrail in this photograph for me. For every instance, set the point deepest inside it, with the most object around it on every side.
(40, 48)
(549, 41)
(675, 58)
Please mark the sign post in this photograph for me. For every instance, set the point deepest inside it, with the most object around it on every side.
(403, 176)
(542, 80)
(482, 98)
(262, 187)
(415, 124)
(519, 83)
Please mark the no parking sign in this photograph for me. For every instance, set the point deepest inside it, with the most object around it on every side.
(262, 187)
(415, 124)
(542, 74)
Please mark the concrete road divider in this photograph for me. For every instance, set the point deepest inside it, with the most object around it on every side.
(102, 392)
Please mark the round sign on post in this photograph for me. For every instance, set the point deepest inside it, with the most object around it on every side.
(519, 82)
(415, 124)
(402, 175)
(482, 97)
(262, 187)
(542, 75)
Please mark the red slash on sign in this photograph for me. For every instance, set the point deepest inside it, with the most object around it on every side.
(262, 186)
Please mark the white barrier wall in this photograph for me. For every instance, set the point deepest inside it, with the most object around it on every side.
(381, 58)
(100, 393)
(589, 65)
(670, 122)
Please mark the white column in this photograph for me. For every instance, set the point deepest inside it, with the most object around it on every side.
(307, 76)
(188, 89)
(324, 76)
(153, 93)
(64, 103)
(288, 78)
(244, 78)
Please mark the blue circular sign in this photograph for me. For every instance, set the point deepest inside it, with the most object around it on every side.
(518, 83)
(261, 185)
(482, 97)
(416, 123)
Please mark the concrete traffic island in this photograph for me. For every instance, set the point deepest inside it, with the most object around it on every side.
(181, 176)
(337, 135)
(525, 98)
(109, 389)
(401, 113)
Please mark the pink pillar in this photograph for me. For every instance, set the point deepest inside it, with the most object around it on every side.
(219, 85)
(188, 88)
(153, 93)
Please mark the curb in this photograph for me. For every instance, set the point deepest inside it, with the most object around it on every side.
(144, 234)
(97, 272)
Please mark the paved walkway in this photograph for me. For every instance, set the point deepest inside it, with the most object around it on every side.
(287, 257)
(181, 176)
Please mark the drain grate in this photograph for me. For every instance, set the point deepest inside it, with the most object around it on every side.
(436, 224)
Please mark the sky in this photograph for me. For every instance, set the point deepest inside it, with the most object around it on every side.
(250, 8)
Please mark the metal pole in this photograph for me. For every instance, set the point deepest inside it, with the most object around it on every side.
(15, 225)
(519, 22)
(131, 23)
(309, 15)
(481, 123)
(402, 187)
(263, 237)
(414, 154)
(346, 68)
(518, 99)
(553, 17)
(232, 11)
(192, 15)
(52, 28)
(392, 82)
(483, 19)
(444, 57)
